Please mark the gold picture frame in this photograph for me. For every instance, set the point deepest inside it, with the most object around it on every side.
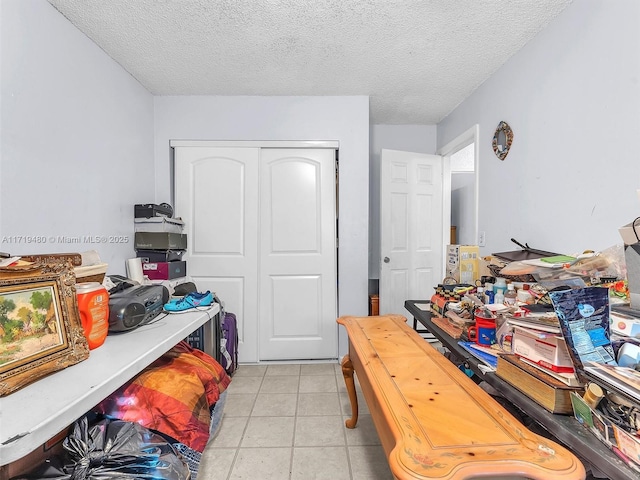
(40, 328)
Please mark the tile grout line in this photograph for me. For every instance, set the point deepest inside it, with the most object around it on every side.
(295, 424)
(344, 427)
(244, 431)
(236, 459)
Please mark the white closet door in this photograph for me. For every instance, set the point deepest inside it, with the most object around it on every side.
(261, 226)
(216, 194)
(298, 279)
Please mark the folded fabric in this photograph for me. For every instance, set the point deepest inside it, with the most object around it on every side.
(173, 396)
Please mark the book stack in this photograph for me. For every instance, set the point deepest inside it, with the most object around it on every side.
(539, 364)
(552, 392)
(160, 244)
(537, 337)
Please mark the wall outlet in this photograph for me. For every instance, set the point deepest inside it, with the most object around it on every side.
(482, 239)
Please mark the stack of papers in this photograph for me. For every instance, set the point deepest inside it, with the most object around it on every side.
(556, 261)
(486, 355)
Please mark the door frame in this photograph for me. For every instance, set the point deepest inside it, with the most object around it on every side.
(470, 136)
(257, 143)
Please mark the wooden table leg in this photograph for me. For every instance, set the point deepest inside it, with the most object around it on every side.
(347, 372)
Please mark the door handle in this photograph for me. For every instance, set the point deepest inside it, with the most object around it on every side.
(386, 260)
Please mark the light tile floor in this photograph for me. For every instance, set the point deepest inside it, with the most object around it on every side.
(286, 422)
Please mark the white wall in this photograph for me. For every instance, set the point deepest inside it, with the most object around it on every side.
(345, 119)
(409, 138)
(76, 138)
(572, 98)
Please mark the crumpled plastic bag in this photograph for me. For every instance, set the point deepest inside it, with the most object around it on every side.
(113, 449)
(609, 262)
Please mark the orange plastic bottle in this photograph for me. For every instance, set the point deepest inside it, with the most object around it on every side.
(93, 305)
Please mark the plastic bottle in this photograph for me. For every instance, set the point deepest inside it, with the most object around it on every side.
(498, 298)
(93, 306)
(500, 285)
(488, 293)
(480, 293)
(510, 297)
(524, 296)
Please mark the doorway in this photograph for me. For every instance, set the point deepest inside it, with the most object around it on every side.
(461, 206)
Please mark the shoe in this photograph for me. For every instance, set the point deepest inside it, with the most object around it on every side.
(191, 301)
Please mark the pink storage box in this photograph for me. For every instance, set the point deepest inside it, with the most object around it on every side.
(164, 270)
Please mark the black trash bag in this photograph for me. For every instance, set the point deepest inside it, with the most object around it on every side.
(113, 449)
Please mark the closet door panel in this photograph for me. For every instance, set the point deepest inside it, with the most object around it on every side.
(295, 210)
(216, 196)
(297, 254)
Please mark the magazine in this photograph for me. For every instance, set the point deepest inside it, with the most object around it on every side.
(484, 354)
(526, 323)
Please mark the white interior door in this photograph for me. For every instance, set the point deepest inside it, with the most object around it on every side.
(412, 228)
(261, 231)
(216, 194)
(298, 254)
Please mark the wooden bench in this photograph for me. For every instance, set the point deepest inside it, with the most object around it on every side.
(433, 421)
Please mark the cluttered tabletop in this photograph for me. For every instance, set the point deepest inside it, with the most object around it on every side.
(563, 329)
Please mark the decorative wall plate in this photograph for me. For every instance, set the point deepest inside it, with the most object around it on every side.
(502, 140)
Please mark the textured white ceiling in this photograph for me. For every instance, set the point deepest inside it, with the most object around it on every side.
(416, 59)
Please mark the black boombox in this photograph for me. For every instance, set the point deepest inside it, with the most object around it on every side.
(135, 306)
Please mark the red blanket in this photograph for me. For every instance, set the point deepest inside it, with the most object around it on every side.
(173, 395)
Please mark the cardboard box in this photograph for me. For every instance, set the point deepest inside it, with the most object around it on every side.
(484, 263)
(548, 350)
(463, 263)
(146, 256)
(164, 270)
(158, 224)
(91, 273)
(160, 241)
(624, 325)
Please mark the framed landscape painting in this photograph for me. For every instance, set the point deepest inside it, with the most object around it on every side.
(40, 330)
